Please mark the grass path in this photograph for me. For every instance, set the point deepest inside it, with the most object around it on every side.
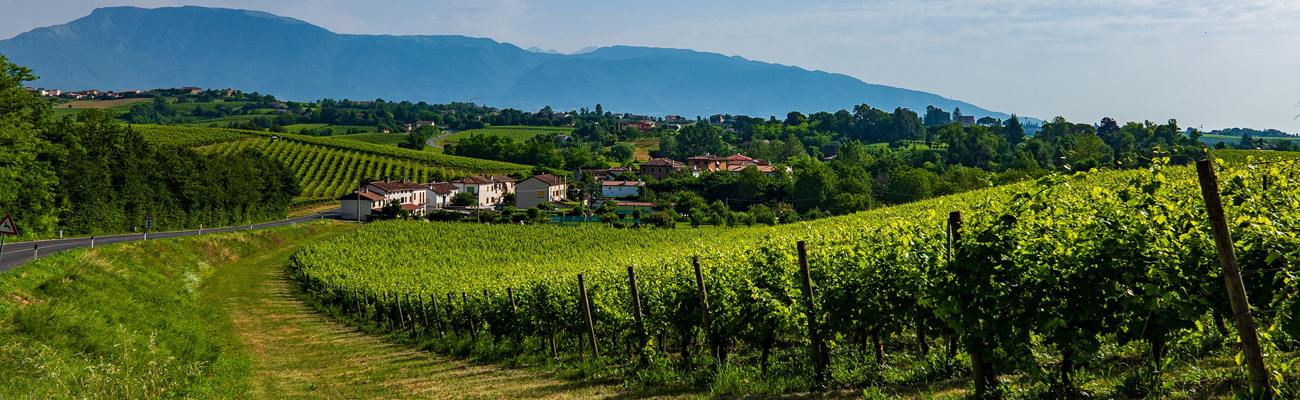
(298, 353)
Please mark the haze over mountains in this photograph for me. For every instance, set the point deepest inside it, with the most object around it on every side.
(124, 48)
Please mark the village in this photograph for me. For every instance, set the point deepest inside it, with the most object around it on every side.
(616, 188)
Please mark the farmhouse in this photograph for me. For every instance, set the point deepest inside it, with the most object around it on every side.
(540, 189)
(488, 191)
(660, 168)
(440, 195)
(620, 188)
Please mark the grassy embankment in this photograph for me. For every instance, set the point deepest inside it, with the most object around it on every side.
(128, 320)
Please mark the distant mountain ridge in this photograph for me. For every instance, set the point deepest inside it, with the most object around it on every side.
(122, 48)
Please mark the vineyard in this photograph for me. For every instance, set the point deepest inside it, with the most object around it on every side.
(327, 173)
(1050, 282)
(328, 167)
(518, 133)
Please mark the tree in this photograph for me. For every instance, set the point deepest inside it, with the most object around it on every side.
(1088, 152)
(1013, 131)
(622, 152)
(815, 185)
(417, 139)
(910, 184)
(464, 199)
(935, 116)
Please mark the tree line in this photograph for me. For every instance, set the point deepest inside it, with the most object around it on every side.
(93, 175)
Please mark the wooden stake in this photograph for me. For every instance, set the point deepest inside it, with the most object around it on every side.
(442, 332)
(473, 331)
(704, 308)
(641, 333)
(820, 362)
(424, 314)
(586, 310)
(514, 312)
(1258, 373)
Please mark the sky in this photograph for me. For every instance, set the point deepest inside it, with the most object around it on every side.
(1209, 64)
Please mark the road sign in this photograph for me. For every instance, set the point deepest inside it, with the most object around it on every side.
(7, 226)
(148, 221)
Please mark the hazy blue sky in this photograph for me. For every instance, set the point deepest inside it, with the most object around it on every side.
(1217, 63)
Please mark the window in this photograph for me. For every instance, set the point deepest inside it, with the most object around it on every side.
(539, 194)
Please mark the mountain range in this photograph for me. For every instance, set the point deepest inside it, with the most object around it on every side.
(123, 48)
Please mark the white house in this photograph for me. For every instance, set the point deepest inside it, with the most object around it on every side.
(489, 192)
(440, 195)
(620, 188)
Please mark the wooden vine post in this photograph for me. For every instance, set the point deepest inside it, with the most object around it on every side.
(704, 310)
(821, 362)
(586, 311)
(424, 314)
(514, 313)
(437, 318)
(451, 318)
(1258, 374)
(473, 332)
(641, 333)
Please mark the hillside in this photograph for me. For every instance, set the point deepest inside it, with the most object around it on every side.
(328, 167)
(125, 48)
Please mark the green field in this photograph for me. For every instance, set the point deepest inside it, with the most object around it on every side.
(518, 133)
(1096, 268)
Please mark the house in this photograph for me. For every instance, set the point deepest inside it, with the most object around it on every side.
(507, 183)
(440, 195)
(660, 168)
(489, 192)
(644, 125)
(707, 162)
(362, 203)
(410, 195)
(192, 89)
(966, 120)
(765, 169)
(545, 188)
(620, 188)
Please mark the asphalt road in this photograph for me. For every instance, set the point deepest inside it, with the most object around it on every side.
(15, 254)
(434, 142)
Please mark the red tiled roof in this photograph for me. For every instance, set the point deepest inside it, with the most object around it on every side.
(502, 178)
(393, 186)
(738, 157)
(708, 157)
(411, 207)
(622, 183)
(369, 195)
(664, 162)
(442, 188)
(475, 180)
(761, 168)
(549, 179)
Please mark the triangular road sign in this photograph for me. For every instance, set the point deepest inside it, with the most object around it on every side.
(7, 226)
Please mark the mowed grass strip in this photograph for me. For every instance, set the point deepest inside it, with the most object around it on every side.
(298, 353)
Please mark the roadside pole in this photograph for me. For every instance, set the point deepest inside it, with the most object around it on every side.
(148, 223)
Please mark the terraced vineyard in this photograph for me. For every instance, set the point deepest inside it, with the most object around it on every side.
(326, 173)
(1052, 281)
